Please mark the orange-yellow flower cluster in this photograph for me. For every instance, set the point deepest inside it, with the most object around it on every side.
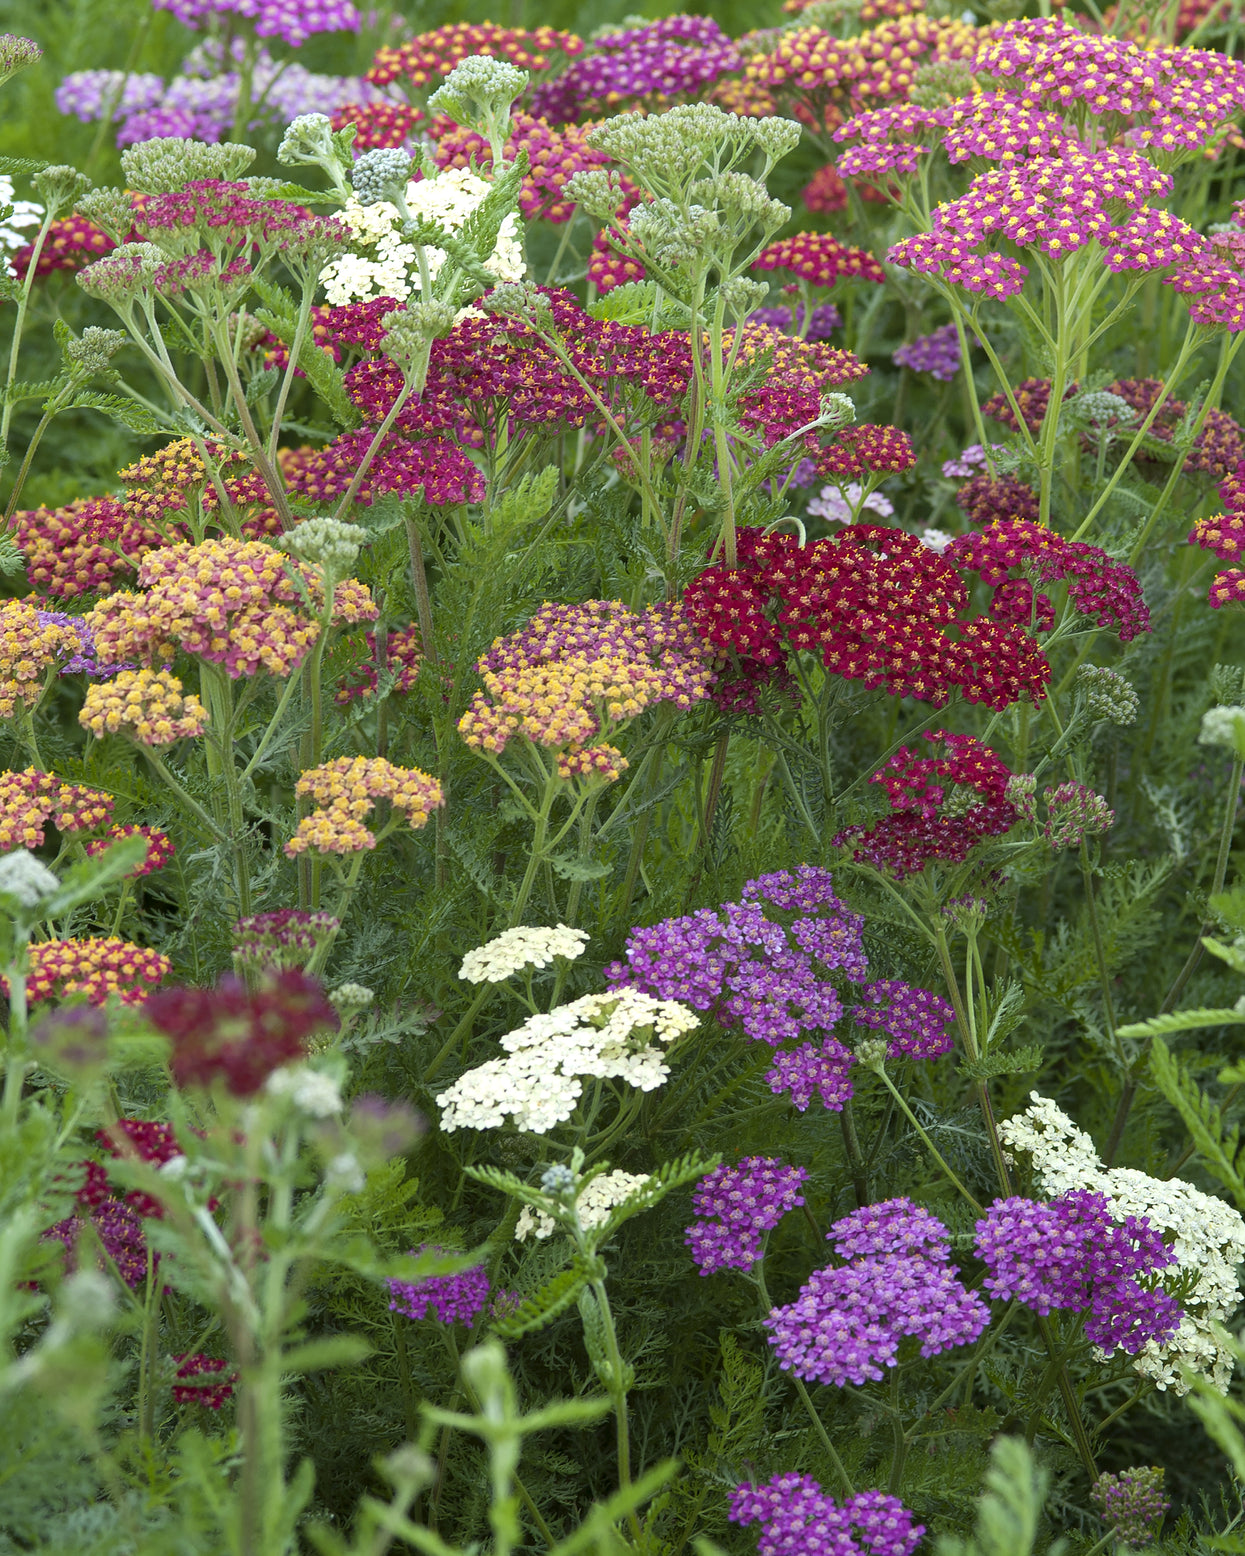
(159, 847)
(29, 645)
(30, 799)
(147, 705)
(346, 790)
(97, 967)
(578, 672)
(234, 603)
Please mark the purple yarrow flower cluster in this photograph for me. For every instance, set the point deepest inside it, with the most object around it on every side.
(848, 1321)
(1132, 1503)
(937, 354)
(967, 462)
(119, 1228)
(740, 1205)
(824, 319)
(1071, 1253)
(798, 1518)
(85, 661)
(292, 20)
(668, 58)
(451, 1299)
(769, 980)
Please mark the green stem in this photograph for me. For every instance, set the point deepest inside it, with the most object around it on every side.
(19, 322)
(928, 1143)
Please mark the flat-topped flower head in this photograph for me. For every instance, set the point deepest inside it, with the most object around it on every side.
(285, 938)
(594, 1202)
(736, 1206)
(160, 847)
(798, 1518)
(30, 799)
(97, 966)
(423, 60)
(450, 1299)
(30, 643)
(820, 258)
(518, 949)
(346, 790)
(149, 706)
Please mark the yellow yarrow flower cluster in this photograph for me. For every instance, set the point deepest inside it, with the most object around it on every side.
(28, 646)
(346, 790)
(147, 705)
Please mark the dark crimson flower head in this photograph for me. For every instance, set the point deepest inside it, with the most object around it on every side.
(238, 1036)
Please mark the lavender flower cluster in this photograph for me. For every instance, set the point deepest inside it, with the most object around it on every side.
(292, 20)
(769, 981)
(740, 1205)
(822, 320)
(848, 1321)
(937, 354)
(798, 1518)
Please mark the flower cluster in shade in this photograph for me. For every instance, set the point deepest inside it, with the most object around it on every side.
(621, 1035)
(1072, 1253)
(874, 604)
(937, 354)
(798, 1518)
(287, 937)
(421, 61)
(676, 57)
(1216, 451)
(69, 243)
(1205, 1236)
(578, 673)
(97, 967)
(199, 103)
(346, 790)
(150, 706)
(736, 1207)
(765, 966)
(555, 155)
(848, 1321)
(238, 1036)
(203, 1380)
(521, 949)
(30, 799)
(138, 1139)
(595, 1201)
(1105, 591)
(403, 653)
(450, 1299)
(119, 1229)
(941, 806)
(232, 603)
(822, 320)
(1223, 534)
(160, 847)
(1132, 1504)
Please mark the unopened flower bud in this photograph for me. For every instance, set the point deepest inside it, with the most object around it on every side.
(329, 544)
(349, 999)
(1073, 814)
(382, 174)
(478, 88)
(60, 186)
(557, 1180)
(309, 138)
(871, 1052)
(94, 349)
(167, 162)
(1132, 1504)
(109, 208)
(123, 275)
(1108, 696)
(16, 53)
(1021, 789)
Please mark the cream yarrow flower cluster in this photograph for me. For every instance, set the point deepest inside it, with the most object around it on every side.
(346, 790)
(622, 1035)
(593, 1205)
(386, 264)
(148, 705)
(521, 948)
(1206, 1236)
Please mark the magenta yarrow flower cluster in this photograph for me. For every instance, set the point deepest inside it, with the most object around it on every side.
(848, 1321)
(739, 1205)
(450, 1299)
(798, 1518)
(1071, 1253)
(769, 980)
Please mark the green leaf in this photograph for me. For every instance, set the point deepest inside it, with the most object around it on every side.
(543, 1307)
(296, 192)
(11, 559)
(527, 500)
(92, 877)
(128, 412)
(481, 229)
(21, 391)
(670, 1176)
(323, 374)
(1184, 1021)
(572, 868)
(1218, 1144)
(1000, 1062)
(22, 165)
(1009, 1513)
(342, 1350)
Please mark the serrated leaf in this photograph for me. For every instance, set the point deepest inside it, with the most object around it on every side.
(668, 1177)
(90, 878)
(128, 412)
(22, 165)
(990, 1065)
(21, 391)
(1218, 1144)
(571, 868)
(322, 373)
(552, 1299)
(481, 229)
(296, 192)
(527, 500)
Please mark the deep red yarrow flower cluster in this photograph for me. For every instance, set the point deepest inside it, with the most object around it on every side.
(1224, 535)
(866, 450)
(941, 806)
(1106, 591)
(237, 1036)
(875, 604)
(379, 126)
(820, 258)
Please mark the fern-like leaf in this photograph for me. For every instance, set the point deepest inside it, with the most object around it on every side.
(1218, 1144)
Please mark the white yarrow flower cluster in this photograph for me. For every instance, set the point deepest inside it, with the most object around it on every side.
(593, 1203)
(24, 214)
(614, 1036)
(26, 878)
(388, 265)
(311, 1091)
(520, 948)
(1206, 1235)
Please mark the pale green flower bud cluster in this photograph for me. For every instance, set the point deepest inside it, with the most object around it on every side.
(597, 192)
(1109, 698)
(60, 187)
(350, 999)
(673, 237)
(382, 174)
(94, 349)
(16, 53)
(124, 274)
(307, 139)
(109, 208)
(837, 411)
(935, 86)
(329, 544)
(742, 295)
(168, 162)
(518, 300)
(477, 90)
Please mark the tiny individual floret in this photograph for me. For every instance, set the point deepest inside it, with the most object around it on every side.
(517, 949)
(450, 1299)
(737, 1206)
(148, 705)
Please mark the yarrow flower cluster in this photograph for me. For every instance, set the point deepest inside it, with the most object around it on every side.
(744, 968)
(450, 1299)
(875, 604)
(1073, 812)
(621, 1035)
(119, 1228)
(193, 1386)
(346, 790)
(518, 949)
(937, 354)
(848, 1321)
(1132, 1503)
(798, 1518)
(148, 705)
(160, 847)
(820, 258)
(422, 60)
(554, 153)
(30, 643)
(676, 56)
(576, 674)
(1207, 1237)
(287, 938)
(95, 966)
(1223, 534)
(30, 799)
(595, 1201)
(1072, 1252)
(737, 1207)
